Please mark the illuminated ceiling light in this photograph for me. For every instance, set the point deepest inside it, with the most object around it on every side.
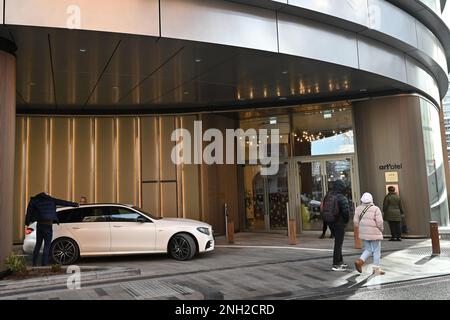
(32, 84)
(83, 50)
(363, 90)
(186, 93)
(198, 60)
(285, 72)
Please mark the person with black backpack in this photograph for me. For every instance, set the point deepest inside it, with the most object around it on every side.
(42, 208)
(336, 214)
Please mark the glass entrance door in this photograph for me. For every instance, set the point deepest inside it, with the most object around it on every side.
(266, 199)
(316, 178)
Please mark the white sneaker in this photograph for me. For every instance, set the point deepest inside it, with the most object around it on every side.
(339, 268)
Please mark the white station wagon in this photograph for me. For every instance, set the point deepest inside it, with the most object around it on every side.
(117, 229)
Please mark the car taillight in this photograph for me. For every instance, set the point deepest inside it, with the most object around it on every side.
(28, 230)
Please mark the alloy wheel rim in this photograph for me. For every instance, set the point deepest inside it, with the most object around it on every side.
(64, 252)
(180, 248)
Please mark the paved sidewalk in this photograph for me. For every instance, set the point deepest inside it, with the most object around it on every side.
(256, 266)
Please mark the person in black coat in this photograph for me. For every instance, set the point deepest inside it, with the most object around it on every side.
(42, 208)
(338, 227)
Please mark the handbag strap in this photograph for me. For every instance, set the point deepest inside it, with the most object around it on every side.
(364, 212)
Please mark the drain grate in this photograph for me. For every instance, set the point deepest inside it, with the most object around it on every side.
(426, 251)
(154, 288)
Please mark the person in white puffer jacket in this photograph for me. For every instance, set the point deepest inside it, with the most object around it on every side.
(369, 219)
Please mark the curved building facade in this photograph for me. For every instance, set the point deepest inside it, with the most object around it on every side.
(354, 87)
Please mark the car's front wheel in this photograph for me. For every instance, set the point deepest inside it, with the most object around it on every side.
(182, 247)
(64, 251)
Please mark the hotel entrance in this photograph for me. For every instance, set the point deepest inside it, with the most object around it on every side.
(314, 178)
(316, 149)
(299, 187)
(266, 199)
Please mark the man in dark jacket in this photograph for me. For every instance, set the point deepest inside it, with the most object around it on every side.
(42, 208)
(338, 227)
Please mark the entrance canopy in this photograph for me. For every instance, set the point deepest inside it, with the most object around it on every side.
(73, 71)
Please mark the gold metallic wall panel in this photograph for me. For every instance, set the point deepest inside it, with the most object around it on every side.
(120, 159)
(38, 156)
(168, 200)
(219, 183)
(7, 145)
(190, 186)
(150, 148)
(209, 198)
(151, 198)
(83, 159)
(105, 181)
(126, 170)
(166, 127)
(60, 162)
(20, 201)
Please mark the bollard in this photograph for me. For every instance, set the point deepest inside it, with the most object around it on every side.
(230, 232)
(434, 232)
(358, 244)
(292, 230)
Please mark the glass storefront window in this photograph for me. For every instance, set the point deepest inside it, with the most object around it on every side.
(434, 163)
(323, 131)
(280, 123)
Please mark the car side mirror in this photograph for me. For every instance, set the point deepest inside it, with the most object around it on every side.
(141, 219)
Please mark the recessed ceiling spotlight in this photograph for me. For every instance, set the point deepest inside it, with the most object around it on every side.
(198, 60)
(115, 87)
(285, 72)
(32, 84)
(83, 50)
(186, 92)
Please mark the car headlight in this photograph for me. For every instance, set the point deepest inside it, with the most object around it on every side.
(203, 230)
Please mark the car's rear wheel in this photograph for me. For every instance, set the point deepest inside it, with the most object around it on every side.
(64, 251)
(182, 247)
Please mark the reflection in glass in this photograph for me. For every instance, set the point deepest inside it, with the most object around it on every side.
(278, 198)
(323, 131)
(311, 195)
(434, 163)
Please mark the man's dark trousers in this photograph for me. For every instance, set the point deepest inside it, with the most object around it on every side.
(44, 232)
(339, 234)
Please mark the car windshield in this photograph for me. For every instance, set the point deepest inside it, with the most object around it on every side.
(146, 213)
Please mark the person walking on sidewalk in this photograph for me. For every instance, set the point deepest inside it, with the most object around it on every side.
(42, 208)
(336, 213)
(393, 213)
(369, 219)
